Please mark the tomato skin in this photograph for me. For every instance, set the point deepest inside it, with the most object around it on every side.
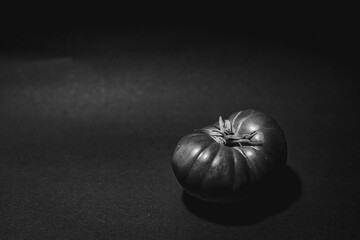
(216, 172)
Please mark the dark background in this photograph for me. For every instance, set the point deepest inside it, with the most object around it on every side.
(92, 105)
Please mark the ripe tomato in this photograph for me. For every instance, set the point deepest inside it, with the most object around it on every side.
(228, 161)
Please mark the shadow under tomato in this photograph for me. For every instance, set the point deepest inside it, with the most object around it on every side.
(277, 195)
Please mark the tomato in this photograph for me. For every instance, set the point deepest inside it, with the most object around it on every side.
(229, 160)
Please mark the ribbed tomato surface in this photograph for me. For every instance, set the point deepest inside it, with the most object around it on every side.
(226, 161)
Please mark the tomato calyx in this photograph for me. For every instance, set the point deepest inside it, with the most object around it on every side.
(227, 136)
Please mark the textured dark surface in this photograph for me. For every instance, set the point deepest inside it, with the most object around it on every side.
(88, 126)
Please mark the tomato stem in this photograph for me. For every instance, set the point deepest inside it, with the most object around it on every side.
(225, 135)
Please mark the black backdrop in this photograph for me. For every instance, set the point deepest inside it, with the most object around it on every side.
(92, 107)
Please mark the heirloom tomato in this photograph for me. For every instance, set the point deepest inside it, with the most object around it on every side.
(229, 160)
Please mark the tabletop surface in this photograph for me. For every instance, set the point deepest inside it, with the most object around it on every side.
(88, 128)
